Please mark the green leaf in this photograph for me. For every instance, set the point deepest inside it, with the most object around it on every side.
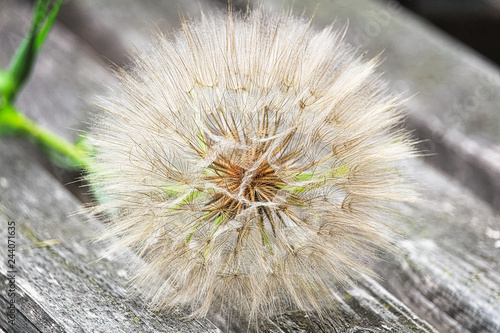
(292, 189)
(25, 56)
(217, 223)
(341, 171)
(7, 86)
(12, 122)
(305, 176)
(188, 198)
(49, 22)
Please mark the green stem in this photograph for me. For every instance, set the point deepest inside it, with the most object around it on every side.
(14, 123)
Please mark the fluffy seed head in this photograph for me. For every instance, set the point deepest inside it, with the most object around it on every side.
(247, 161)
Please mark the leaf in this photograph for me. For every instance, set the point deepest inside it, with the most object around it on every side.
(25, 56)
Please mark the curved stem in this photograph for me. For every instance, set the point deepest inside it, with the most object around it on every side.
(14, 123)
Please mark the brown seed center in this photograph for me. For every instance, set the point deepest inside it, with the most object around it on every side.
(261, 187)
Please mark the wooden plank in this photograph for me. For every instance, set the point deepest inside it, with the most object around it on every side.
(448, 268)
(362, 312)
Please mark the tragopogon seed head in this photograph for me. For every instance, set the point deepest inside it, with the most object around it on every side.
(247, 161)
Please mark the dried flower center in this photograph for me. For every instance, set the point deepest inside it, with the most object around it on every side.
(259, 185)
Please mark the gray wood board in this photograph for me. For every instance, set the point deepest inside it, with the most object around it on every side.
(427, 249)
(449, 261)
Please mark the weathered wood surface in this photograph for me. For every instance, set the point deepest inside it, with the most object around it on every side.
(448, 268)
(447, 271)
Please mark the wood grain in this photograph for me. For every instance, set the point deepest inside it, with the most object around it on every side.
(446, 271)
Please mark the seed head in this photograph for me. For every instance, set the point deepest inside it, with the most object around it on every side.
(247, 160)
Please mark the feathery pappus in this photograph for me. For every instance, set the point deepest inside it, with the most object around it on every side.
(247, 161)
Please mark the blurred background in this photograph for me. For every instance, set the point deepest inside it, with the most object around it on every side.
(474, 22)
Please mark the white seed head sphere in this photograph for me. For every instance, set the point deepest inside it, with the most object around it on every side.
(247, 161)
